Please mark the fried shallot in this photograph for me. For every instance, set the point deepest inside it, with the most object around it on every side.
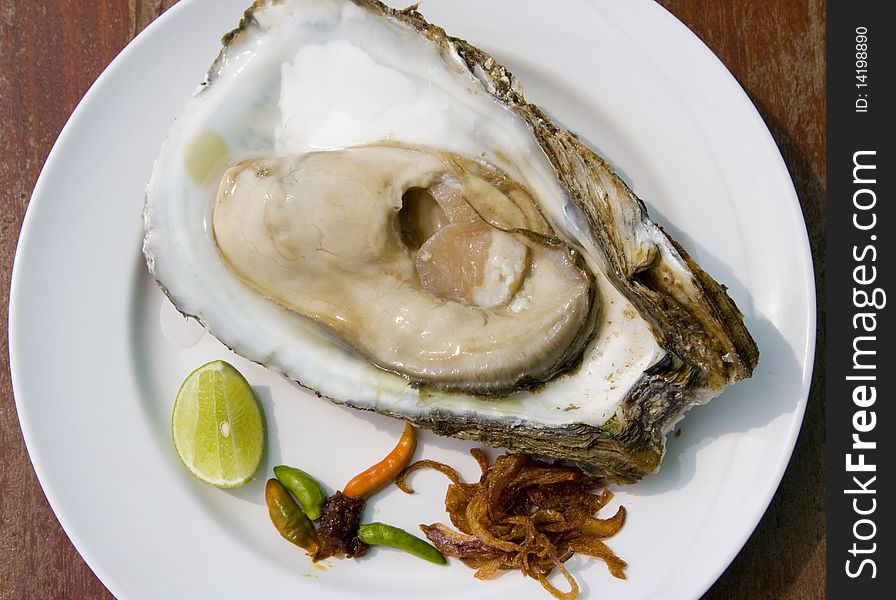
(523, 514)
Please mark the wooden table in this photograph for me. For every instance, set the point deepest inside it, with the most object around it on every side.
(52, 50)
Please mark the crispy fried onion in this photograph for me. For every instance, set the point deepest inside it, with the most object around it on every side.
(523, 514)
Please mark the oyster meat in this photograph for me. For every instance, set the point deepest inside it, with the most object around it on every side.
(371, 208)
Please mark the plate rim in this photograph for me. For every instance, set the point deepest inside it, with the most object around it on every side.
(795, 207)
(120, 61)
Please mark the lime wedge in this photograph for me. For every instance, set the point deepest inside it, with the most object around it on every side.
(218, 425)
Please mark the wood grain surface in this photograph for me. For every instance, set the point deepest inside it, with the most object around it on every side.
(52, 50)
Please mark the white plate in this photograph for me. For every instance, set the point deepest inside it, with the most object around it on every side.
(97, 353)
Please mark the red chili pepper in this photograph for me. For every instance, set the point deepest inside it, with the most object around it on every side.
(384, 472)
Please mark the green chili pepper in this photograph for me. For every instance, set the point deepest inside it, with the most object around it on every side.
(380, 534)
(288, 517)
(303, 486)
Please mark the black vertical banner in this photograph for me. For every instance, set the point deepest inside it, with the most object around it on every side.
(861, 267)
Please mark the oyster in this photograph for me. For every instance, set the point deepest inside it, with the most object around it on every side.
(370, 207)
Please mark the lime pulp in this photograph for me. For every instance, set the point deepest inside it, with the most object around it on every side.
(218, 426)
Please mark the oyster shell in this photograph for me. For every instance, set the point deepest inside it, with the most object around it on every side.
(351, 91)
